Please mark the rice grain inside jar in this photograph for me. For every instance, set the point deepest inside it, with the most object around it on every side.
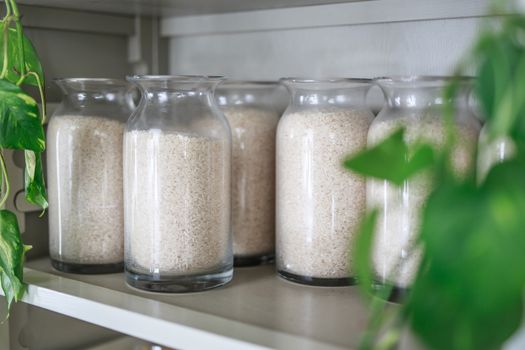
(416, 104)
(252, 114)
(319, 203)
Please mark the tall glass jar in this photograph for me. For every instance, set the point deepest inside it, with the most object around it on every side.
(415, 103)
(84, 170)
(177, 165)
(252, 114)
(319, 203)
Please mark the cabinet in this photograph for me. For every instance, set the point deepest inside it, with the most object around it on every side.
(265, 39)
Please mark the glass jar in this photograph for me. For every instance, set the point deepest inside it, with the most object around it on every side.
(84, 175)
(177, 165)
(252, 114)
(415, 103)
(492, 152)
(319, 203)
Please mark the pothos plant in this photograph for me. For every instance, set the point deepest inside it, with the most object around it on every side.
(469, 290)
(21, 128)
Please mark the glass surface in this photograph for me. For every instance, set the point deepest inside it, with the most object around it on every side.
(319, 203)
(415, 103)
(177, 184)
(84, 164)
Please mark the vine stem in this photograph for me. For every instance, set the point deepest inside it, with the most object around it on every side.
(42, 95)
(7, 9)
(20, 41)
(379, 314)
(5, 179)
(5, 53)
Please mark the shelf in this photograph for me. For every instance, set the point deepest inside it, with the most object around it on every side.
(256, 310)
(176, 7)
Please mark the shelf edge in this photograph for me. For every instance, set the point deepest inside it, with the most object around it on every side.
(79, 21)
(153, 320)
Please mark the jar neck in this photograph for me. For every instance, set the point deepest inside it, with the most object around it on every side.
(422, 95)
(86, 93)
(245, 94)
(176, 96)
(345, 97)
(174, 90)
(327, 92)
(337, 97)
(84, 99)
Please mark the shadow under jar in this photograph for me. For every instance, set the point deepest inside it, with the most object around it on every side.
(84, 168)
(319, 203)
(177, 169)
(415, 103)
(252, 115)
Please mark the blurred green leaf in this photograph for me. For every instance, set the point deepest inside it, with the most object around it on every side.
(12, 252)
(518, 100)
(470, 285)
(500, 86)
(20, 125)
(468, 293)
(35, 189)
(392, 159)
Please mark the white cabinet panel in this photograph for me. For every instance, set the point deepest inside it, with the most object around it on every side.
(364, 50)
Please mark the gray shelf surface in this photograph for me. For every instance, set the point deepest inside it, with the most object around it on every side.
(256, 310)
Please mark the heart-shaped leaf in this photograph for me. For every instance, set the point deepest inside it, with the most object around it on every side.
(12, 253)
(32, 62)
(20, 125)
(35, 187)
(392, 159)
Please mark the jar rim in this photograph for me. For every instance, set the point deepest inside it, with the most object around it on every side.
(177, 78)
(227, 82)
(304, 80)
(409, 79)
(105, 81)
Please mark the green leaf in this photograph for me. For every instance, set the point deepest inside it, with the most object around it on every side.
(12, 253)
(35, 188)
(392, 160)
(363, 251)
(518, 99)
(20, 126)
(32, 62)
(468, 294)
(500, 86)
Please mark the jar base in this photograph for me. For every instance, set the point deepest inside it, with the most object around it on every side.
(397, 295)
(87, 269)
(245, 261)
(319, 282)
(179, 284)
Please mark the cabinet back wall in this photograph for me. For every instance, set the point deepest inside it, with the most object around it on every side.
(424, 37)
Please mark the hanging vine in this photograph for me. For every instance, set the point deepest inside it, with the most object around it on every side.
(21, 128)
